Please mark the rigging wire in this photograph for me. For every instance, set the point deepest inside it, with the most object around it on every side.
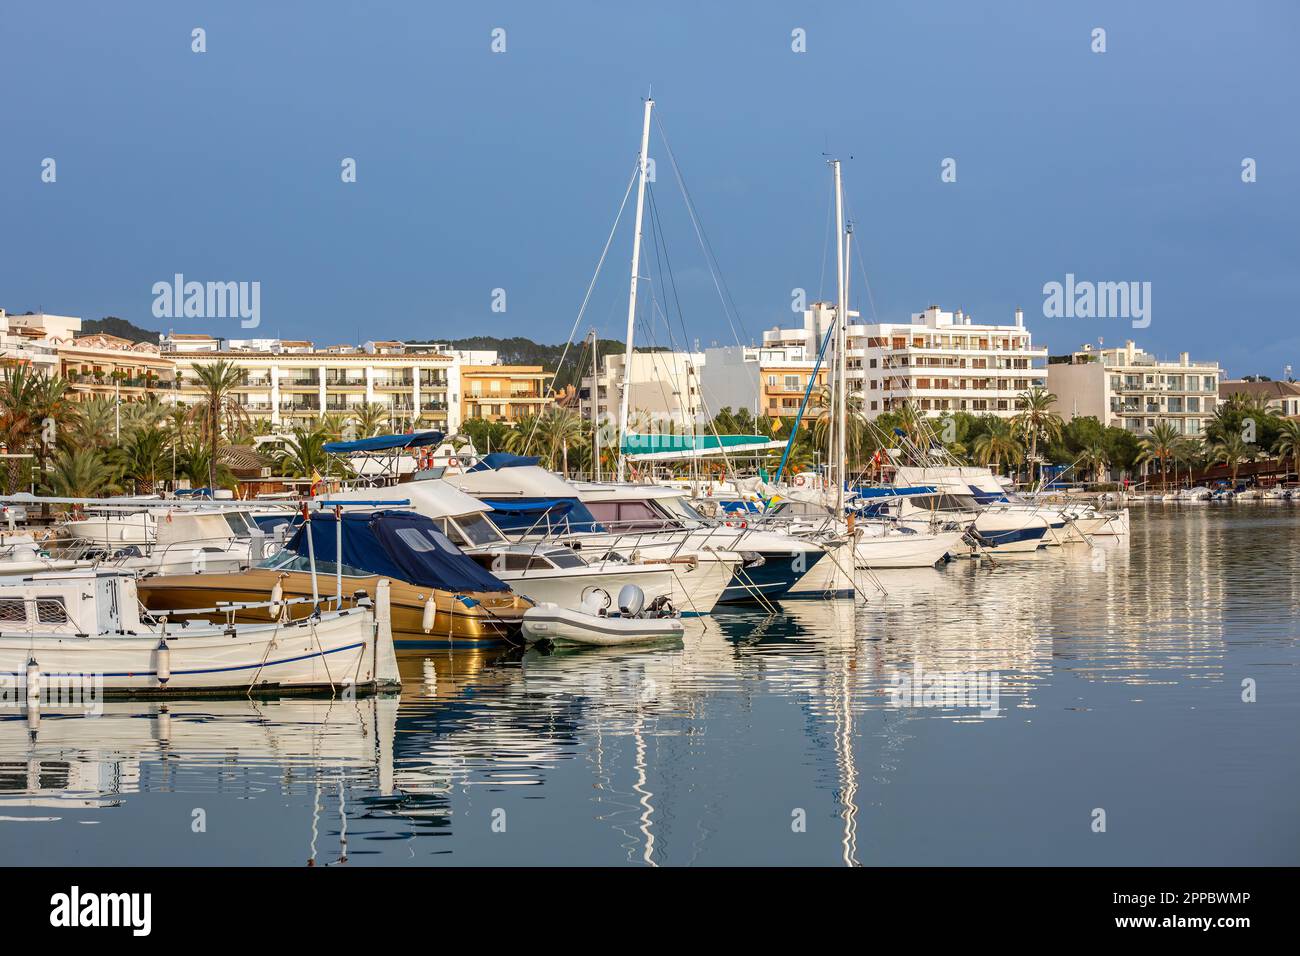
(719, 282)
(636, 168)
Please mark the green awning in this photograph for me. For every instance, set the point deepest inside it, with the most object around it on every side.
(634, 444)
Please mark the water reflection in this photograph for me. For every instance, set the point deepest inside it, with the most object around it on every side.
(827, 733)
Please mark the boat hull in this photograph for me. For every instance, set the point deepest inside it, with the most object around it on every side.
(920, 550)
(563, 626)
(494, 620)
(335, 651)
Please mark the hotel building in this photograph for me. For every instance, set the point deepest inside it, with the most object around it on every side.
(1128, 388)
(660, 383)
(766, 380)
(939, 362)
(291, 382)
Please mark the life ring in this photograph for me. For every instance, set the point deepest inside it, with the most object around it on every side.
(453, 463)
(738, 524)
(801, 480)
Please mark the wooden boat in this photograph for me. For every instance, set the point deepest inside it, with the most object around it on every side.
(437, 594)
(81, 632)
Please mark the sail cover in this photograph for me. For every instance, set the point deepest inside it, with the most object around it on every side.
(384, 443)
(396, 544)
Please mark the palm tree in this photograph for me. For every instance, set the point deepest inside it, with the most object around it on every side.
(81, 473)
(217, 409)
(999, 444)
(146, 458)
(18, 418)
(370, 419)
(559, 429)
(1160, 445)
(1096, 457)
(304, 455)
(1036, 419)
(196, 463)
(826, 408)
(1287, 444)
(1232, 451)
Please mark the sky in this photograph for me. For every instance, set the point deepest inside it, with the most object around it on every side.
(479, 170)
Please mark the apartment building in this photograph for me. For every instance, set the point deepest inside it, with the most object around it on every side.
(1281, 397)
(767, 380)
(292, 383)
(1128, 388)
(114, 367)
(33, 339)
(939, 362)
(660, 383)
(502, 393)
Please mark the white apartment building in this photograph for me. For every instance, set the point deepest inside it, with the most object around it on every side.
(33, 339)
(290, 382)
(659, 383)
(1127, 388)
(939, 362)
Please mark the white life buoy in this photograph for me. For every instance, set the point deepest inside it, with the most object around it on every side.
(453, 463)
(801, 479)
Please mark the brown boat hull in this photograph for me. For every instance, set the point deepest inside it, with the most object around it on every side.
(495, 619)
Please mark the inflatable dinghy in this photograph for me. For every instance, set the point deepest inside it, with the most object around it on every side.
(595, 624)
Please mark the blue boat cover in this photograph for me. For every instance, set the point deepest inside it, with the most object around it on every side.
(384, 442)
(521, 514)
(502, 459)
(894, 492)
(396, 544)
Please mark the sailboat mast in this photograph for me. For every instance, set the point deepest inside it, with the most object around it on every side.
(841, 340)
(631, 298)
(595, 406)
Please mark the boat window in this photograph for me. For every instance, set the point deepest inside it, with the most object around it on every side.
(50, 610)
(414, 539)
(300, 562)
(627, 515)
(234, 522)
(13, 611)
(475, 529)
(681, 509)
(564, 558)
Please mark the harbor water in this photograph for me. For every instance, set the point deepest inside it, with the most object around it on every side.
(1129, 702)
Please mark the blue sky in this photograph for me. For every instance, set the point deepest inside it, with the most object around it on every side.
(478, 171)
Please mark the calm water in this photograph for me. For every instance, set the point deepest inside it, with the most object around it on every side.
(760, 739)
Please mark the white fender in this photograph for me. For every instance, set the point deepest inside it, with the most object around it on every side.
(430, 614)
(163, 662)
(33, 679)
(277, 595)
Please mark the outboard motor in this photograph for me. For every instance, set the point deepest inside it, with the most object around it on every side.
(631, 600)
(595, 601)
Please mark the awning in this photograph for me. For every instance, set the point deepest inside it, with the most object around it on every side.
(384, 443)
(634, 444)
(502, 459)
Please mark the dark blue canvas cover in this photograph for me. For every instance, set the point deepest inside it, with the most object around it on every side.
(396, 544)
(384, 442)
(503, 459)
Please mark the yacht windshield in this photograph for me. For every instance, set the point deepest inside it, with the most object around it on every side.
(682, 512)
(476, 529)
(287, 560)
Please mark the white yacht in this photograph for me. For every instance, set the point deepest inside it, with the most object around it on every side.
(57, 628)
(545, 572)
